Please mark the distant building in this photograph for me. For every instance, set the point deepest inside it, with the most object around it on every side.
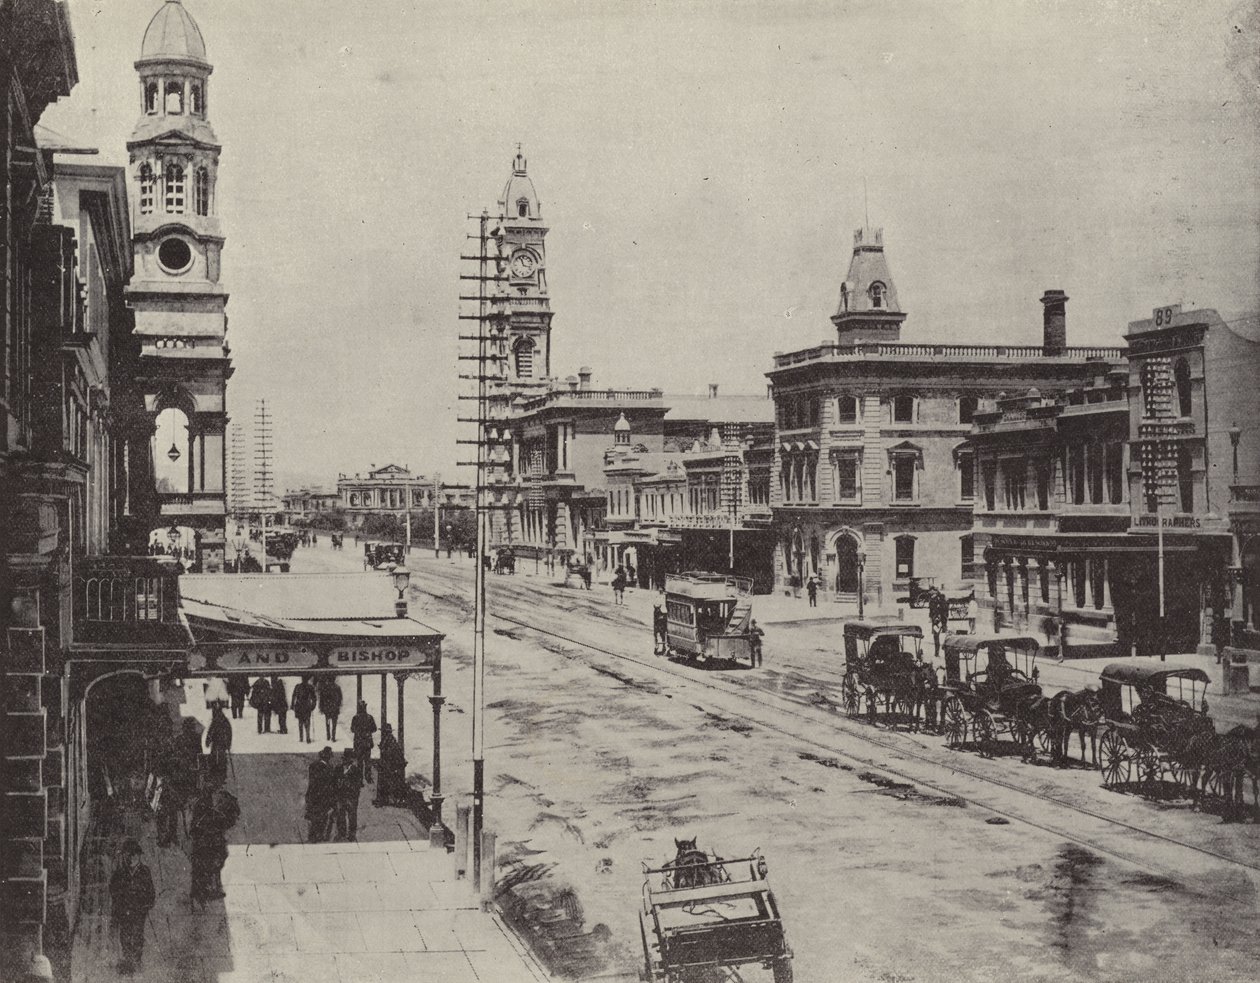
(306, 503)
(394, 490)
(873, 482)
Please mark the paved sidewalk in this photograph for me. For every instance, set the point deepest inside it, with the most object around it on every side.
(385, 909)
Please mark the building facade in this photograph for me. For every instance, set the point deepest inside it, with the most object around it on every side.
(306, 503)
(389, 490)
(873, 474)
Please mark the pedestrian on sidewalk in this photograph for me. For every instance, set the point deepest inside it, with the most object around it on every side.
(209, 848)
(811, 588)
(619, 586)
(363, 726)
(348, 784)
(188, 753)
(630, 581)
(238, 690)
(280, 703)
(755, 635)
(586, 576)
(391, 784)
(260, 700)
(330, 705)
(938, 615)
(219, 741)
(131, 897)
(320, 796)
(305, 699)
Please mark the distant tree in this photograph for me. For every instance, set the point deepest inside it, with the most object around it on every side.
(385, 527)
(333, 519)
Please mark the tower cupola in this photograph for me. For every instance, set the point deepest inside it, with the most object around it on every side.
(868, 309)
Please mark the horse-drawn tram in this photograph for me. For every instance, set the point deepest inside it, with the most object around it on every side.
(704, 919)
(991, 690)
(709, 618)
(1154, 721)
(884, 662)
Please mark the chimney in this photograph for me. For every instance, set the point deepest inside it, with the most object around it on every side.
(572, 383)
(584, 377)
(713, 390)
(1054, 338)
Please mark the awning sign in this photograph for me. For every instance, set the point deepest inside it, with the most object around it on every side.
(228, 658)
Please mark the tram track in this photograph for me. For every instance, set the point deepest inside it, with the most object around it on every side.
(810, 715)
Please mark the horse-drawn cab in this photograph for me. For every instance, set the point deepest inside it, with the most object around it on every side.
(991, 686)
(377, 556)
(705, 917)
(709, 618)
(1150, 714)
(882, 661)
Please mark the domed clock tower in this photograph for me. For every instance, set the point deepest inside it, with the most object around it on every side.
(179, 300)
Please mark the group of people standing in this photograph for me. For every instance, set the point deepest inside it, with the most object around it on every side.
(332, 789)
(271, 702)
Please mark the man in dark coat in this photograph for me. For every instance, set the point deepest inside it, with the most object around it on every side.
(188, 754)
(219, 741)
(305, 700)
(391, 786)
(660, 628)
(238, 690)
(280, 703)
(349, 781)
(363, 726)
(320, 796)
(260, 700)
(209, 848)
(330, 705)
(131, 897)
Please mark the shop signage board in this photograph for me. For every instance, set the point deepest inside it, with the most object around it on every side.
(219, 658)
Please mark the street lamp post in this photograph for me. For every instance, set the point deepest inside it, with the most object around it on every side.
(861, 584)
(401, 577)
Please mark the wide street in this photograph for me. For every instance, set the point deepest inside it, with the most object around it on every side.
(893, 858)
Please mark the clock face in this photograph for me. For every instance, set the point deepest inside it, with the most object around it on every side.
(522, 264)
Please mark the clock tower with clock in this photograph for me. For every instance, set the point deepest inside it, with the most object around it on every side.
(179, 300)
(521, 238)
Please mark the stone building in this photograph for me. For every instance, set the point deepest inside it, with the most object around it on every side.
(394, 490)
(304, 504)
(873, 477)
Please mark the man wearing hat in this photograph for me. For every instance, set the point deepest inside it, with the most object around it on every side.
(349, 783)
(131, 896)
(320, 796)
(363, 726)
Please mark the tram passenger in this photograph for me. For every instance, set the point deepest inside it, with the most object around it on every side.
(660, 628)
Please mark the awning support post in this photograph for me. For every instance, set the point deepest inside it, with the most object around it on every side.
(384, 700)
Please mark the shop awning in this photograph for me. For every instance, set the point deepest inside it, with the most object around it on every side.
(228, 640)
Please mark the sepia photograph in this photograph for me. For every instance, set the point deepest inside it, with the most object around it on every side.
(594, 491)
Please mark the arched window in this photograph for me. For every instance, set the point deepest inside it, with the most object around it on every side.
(174, 189)
(196, 100)
(146, 188)
(174, 98)
(877, 294)
(150, 97)
(522, 208)
(201, 192)
(524, 353)
(1181, 377)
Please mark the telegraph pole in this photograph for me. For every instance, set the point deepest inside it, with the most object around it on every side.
(263, 468)
(486, 359)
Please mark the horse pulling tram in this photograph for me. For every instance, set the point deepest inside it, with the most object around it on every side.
(709, 618)
(885, 662)
(704, 918)
(1152, 717)
(997, 693)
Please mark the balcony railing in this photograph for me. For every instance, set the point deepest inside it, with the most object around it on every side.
(591, 396)
(128, 600)
(936, 352)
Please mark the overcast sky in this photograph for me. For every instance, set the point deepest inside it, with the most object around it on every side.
(701, 168)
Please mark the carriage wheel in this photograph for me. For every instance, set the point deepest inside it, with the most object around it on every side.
(1182, 777)
(1044, 740)
(984, 733)
(849, 694)
(955, 722)
(872, 705)
(903, 707)
(1149, 769)
(1113, 760)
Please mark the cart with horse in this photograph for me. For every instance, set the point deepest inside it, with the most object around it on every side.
(705, 918)
(1152, 717)
(884, 663)
(991, 690)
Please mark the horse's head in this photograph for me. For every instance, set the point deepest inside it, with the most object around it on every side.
(685, 846)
